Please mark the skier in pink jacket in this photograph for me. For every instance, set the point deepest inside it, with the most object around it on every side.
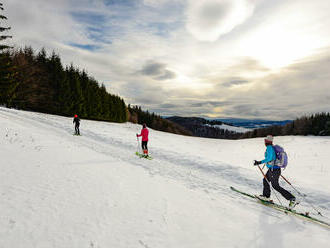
(144, 133)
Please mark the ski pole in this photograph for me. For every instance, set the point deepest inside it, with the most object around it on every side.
(138, 144)
(292, 186)
(262, 172)
(303, 195)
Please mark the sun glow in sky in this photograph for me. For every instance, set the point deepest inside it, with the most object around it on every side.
(282, 41)
(216, 58)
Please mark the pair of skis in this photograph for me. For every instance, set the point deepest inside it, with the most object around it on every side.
(284, 209)
(143, 156)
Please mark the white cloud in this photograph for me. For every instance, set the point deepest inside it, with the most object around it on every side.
(288, 33)
(207, 20)
(195, 77)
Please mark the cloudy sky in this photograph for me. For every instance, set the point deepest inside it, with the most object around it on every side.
(266, 59)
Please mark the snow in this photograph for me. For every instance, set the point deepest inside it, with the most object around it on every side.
(232, 128)
(60, 190)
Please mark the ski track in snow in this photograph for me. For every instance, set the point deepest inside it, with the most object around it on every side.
(208, 175)
(193, 171)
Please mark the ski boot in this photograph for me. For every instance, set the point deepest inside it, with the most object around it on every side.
(293, 202)
(264, 198)
(145, 153)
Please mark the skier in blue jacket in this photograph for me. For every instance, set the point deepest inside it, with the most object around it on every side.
(273, 174)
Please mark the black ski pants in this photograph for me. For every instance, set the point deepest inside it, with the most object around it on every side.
(77, 128)
(272, 176)
(144, 145)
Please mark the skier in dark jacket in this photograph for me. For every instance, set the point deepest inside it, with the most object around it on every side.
(76, 121)
(273, 174)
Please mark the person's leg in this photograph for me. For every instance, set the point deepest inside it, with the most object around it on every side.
(77, 129)
(266, 191)
(143, 146)
(146, 146)
(274, 180)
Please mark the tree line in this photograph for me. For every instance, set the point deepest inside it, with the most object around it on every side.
(7, 71)
(201, 127)
(41, 83)
(316, 124)
(38, 82)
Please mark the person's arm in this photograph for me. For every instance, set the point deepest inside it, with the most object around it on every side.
(268, 156)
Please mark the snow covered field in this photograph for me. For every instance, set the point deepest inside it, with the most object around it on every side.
(232, 128)
(60, 190)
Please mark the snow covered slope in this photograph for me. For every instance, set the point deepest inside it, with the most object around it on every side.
(60, 190)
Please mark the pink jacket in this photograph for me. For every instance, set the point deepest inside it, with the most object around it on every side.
(144, 133)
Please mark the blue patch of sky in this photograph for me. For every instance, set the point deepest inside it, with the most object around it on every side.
(95, 27)
(98, 34)
(127, 3)
(171, 13)
(89, 18)
(85, 47)
(121, 18)
(160, 29)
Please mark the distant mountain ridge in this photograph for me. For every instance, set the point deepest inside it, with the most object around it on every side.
(194, 120)
(201, 127)
(223, 128)
(253, 123)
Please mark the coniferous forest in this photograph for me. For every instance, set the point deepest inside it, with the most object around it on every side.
(37, 82)
(42, 84)
(7, 71)
(316, 124)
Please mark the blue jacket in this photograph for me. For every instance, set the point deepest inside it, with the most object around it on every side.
(270, 157)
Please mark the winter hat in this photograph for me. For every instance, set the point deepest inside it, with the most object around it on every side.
(75, 116)
(269, 139)
(144, 125)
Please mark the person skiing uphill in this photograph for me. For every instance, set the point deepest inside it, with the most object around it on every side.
(145, 134)
(273, 174)
(76, 121)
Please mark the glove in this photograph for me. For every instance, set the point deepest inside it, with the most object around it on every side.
(257, 162)
(137, 135)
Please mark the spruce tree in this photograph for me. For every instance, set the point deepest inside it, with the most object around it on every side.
(2, 29)
(7, 81)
